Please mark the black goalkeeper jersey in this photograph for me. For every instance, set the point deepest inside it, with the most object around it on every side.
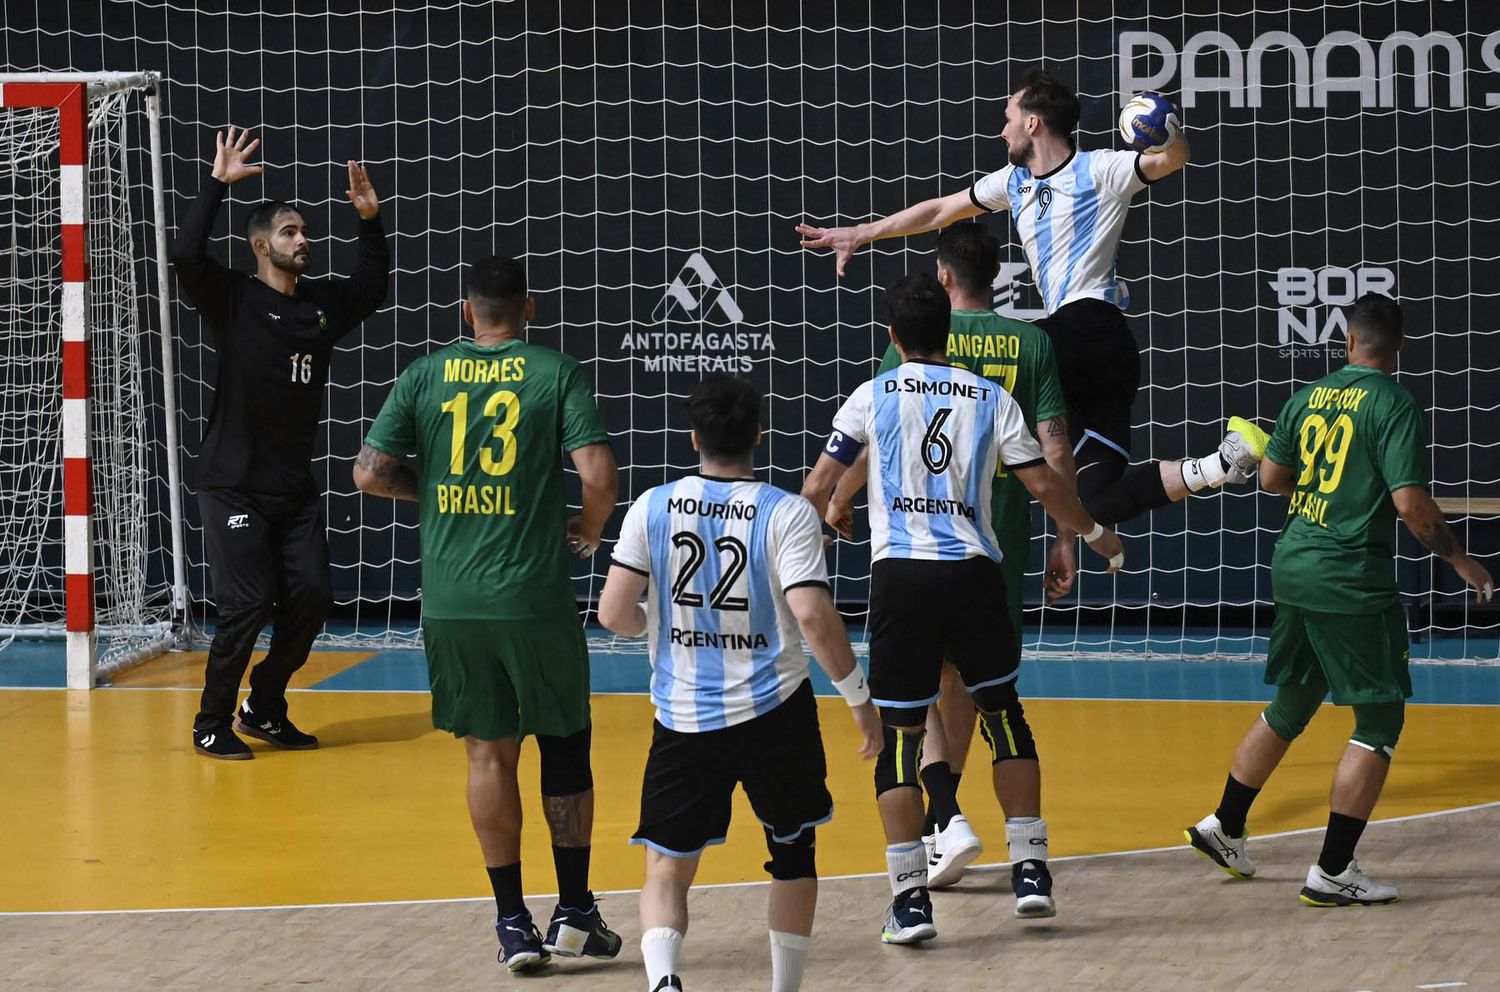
(273, 353)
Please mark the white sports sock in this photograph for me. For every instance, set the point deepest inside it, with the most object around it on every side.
(907, 864)
(1027, 837)
(659, 947)
(788, 960)
(1204, 473)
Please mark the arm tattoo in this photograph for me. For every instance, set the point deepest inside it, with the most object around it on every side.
(565, 819)
(392, 478)
(1437, 537)
(1056, 427)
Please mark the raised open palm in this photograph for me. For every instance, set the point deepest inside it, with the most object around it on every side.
(232, 154)
(360, 192)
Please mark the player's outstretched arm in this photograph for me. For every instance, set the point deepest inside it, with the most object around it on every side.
(929, 215)
(601, 484)
(619, 606)
(829, 640)
(380, 474)
(1060, 500)
(1425, 520)
(206, 281)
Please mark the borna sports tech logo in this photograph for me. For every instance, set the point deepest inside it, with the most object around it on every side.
(1310, 319)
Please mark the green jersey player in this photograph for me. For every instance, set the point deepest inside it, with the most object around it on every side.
(1351, 452)
(487, 421)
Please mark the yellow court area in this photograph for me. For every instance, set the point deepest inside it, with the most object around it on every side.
(109, 808)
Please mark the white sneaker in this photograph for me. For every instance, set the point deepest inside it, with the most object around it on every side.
(1242, 449)
(1350, 887)
(953, 849)
(1227, 852)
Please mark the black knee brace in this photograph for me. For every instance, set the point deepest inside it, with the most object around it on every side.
(565, 763)
(1002, 723)
(1113, 491)
(795, 859)
(899, 760)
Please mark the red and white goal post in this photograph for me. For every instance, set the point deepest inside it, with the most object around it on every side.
(91, 537)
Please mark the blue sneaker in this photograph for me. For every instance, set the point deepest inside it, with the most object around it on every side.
(909, 920)
(1032, 884)
(576, 933)
(520, 943)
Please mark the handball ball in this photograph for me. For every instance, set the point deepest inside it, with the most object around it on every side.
(1149, 122)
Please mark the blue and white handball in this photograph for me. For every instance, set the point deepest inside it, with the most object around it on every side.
(1150, 122)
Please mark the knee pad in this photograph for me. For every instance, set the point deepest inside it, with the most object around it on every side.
(1294, 705)
(899, 760)
(565, 763)
(1002, 723)
(1377, 726)
(795, 859)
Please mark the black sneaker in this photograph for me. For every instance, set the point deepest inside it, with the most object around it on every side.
(667, 982)
(577, 933)
(221, 743)
(520, 943)
(282, 733)
(1032, 884)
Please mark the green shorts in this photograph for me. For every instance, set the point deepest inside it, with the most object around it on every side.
(507, 679)
(1362, 658)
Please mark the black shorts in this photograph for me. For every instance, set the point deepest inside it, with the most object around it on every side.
(690, 779)
(922, 612)
(1099, 365)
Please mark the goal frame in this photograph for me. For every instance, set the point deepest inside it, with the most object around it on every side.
(69, 94)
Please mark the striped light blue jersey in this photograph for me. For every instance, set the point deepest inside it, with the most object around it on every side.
(1069, 221)
(935, 434)
(719, 555)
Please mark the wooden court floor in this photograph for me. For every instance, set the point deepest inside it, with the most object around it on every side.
(109, 817)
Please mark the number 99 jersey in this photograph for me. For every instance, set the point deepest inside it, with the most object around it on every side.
(1352, 438)
(719, 556)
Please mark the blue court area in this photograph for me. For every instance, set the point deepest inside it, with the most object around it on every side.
(1141, 667)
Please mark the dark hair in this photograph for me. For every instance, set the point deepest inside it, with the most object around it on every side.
(972, 253)
(919, 313)
(725, 413)
(1053, 100)
(496, 289)
(1377, 318)
(262, 216)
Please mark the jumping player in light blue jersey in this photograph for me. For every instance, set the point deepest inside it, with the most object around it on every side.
(734, 577)
(935, 433)
(1069, 207)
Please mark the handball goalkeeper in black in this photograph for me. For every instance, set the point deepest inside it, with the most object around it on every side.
(265, 536)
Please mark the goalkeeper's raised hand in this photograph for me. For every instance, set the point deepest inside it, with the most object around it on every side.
(361, 193)
(231, 158)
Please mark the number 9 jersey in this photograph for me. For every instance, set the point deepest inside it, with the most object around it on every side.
(719, 556)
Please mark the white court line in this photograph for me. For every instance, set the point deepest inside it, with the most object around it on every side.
(1445, 985)
(988, 866)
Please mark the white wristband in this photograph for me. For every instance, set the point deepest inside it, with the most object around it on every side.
(1094, 534)
(853, 688)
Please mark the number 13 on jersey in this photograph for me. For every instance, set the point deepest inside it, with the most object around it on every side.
(493, 459)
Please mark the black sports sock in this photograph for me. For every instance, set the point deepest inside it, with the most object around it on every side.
(572, 865)
(506, 881)
(1235, 806)
(942, 792)
(929, 825)
(1339, 841)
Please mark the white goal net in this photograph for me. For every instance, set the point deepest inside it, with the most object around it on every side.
(126, 451)
(650, 164)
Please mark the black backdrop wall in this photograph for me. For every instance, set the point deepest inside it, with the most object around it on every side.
(651, 160)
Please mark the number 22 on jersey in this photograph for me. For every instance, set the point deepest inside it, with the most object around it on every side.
(492, 460)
